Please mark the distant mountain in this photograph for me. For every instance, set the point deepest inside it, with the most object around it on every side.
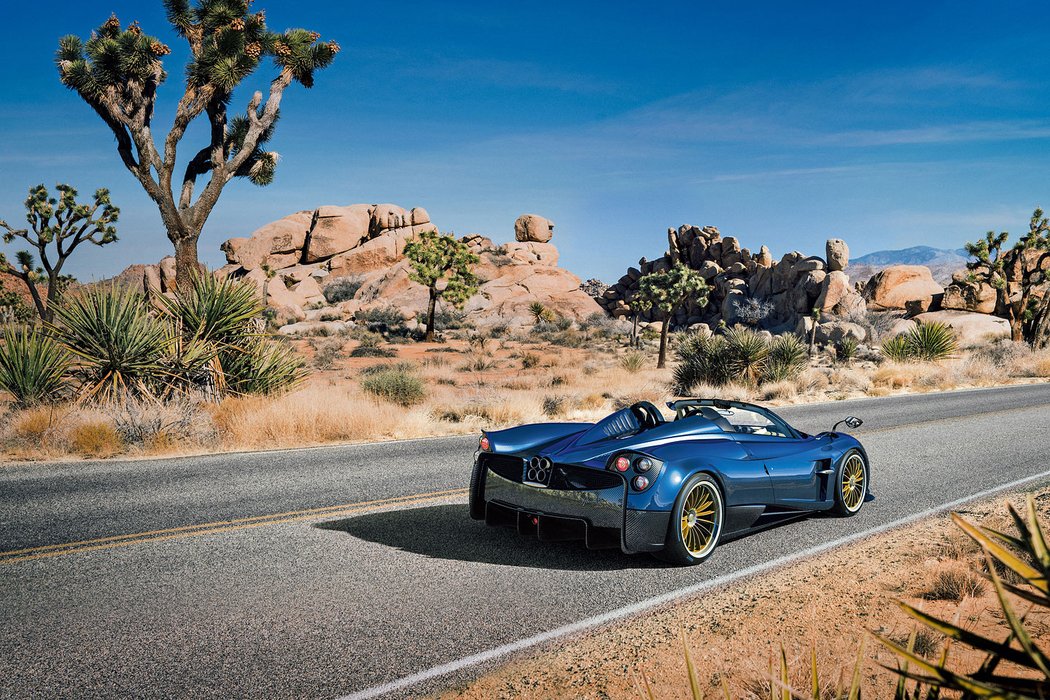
(941, 261)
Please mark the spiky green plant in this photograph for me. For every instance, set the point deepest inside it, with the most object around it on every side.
(666, 292)
(119, 345)
(748, 352)
(787, 359)
(932, 341)
(846, 349)
(32, 365)
(215, 311)
(262, 366)
(1027, 674)
(702, 359)
(897, 348)
(633, 361)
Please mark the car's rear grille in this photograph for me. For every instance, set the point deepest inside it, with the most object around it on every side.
(566, 477)
(505, 465)
(572, 478)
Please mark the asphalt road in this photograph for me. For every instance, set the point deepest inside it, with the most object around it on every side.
(324, 572)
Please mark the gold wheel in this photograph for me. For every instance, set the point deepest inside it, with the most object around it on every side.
(701, 519)
(854, 483)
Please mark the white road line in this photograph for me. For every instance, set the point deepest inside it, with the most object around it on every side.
(641, 606)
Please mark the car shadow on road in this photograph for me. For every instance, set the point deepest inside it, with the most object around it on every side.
(447, 532)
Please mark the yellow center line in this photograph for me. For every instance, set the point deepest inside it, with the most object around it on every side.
(43, 551)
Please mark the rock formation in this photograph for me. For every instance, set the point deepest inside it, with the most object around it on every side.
(290, 261)
(909, 287)
(793, 286)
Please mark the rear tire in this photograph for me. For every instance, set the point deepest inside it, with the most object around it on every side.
(476, 500)
(851, 484)
(696, 522)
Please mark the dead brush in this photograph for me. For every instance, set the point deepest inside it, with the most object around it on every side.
(954, 584)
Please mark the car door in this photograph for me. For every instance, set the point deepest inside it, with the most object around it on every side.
(798, 467)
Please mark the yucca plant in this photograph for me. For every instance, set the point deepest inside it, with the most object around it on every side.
(897, 348)
(786, 360)
(118, 344)
(748, 352)
(633, 361)
(263, 366)
(932, 341)
(1028, 672)
(702, 359)
(846, 349)
(32, 365)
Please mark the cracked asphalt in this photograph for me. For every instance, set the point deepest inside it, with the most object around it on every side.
(318, 573)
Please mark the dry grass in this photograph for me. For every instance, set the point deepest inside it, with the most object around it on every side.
(953, 583)
(95, 438)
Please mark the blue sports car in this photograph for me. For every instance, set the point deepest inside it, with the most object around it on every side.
(675, 488)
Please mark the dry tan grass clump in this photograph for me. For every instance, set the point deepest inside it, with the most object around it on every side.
(95, 438)
(314, 415)
(953, 583)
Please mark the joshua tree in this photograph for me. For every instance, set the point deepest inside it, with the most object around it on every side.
(1019, 276)
(118, 72)
(442, 265)
(59, 224)
(667, 291)
(815, 315)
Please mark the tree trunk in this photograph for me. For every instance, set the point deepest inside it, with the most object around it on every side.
(43, 311)
(187, 266)
(431, 309)
(634, 330)
(661, 361)
(812, 338)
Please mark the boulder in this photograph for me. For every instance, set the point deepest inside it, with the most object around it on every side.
(374, 254)
(387, 216)
(895, 286)
(837, 331)
(271, 244)
(835, 288)
(532, 227)
(966, 296)
(337, 230)
(837, 254)
(764, 257)
(971, 328)
(419, 216)
(534, 253)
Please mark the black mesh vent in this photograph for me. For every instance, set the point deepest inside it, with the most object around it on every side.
(505, 465)
(572, 478)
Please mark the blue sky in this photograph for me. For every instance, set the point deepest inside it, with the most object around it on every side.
(888, 124)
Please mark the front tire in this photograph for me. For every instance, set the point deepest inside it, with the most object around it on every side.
(696, 522)
(851, 484)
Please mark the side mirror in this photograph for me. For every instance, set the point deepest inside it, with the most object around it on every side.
(850, 421)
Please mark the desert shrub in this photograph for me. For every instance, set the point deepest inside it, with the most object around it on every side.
(528, 359)
(381, 318)
(32, 366)
(14, 309)
(1003, 352)
(498, 330)
(326, 353)
(563, 323)
(397, 383)
(925, 342)
(342, 289)
(541, 314)
(150, 424)
(369, 346)
(753, 311)
(553, 405)
(600, 324)
(119, 346)
(95, 438)
(779, 390)
(787, 359)
(953, 583)
(447, 320)
(633, 361)
(478, 363)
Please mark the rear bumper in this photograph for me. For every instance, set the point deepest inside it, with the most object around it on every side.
(598, 517)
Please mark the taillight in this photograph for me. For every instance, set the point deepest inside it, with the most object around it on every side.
(622, 463)
(484, 444)
(640, 483)
(643, 464)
